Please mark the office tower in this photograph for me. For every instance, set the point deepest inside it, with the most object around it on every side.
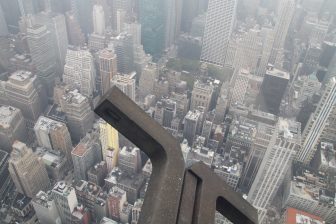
(201, 95)
(147, 79)
(191, 123)
(85, 155)
(126, 83)
(249, 49)
(285, 15)
(182, 103)
(96, 42)
(130, 160)
(189, 12)
(65, 200)
(6, 183)
(56, 24)
(27, 170)
(120, 9)
(75, 34)
(107, 69)
(317, 122)
(12, 127)
(278, 158)
(24, 92)
(84, 13)
(134, 28)
(124, 49)
(3, 23)
(272, 90)
(43, 55)
(45, 208)
(241, 82)
(11, 14)
(109, 139)
(98, 16)
(79, 71)
(218, 28)
(267, 40)
(173, 21)
(53, 135)
(165, 112)
(115, 201)
(79, 114)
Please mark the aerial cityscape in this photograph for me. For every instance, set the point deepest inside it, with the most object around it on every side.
(248, 87)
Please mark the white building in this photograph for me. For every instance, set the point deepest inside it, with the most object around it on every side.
(98, 16)
(283, 146)
(45, 208)
(126, 83)
(79, 71)
(201, 95)
(218, 28)
(317, 122)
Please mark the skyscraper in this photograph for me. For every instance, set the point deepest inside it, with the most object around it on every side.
(76, 36)
(218, 28)
(43, 55)
(12, 127)
(98, 16)
(85, 155)
(280, 153)
(65, 200)
(124, 48)
(25, 92)
(53, 135)
(285, 15)
(126, 83)
(56, 24)
(272, 90)
(201, 95)
(147, 79)
(27, 170)
(109, 139)
(3, 23)
(191, 123)
(107, 69)
(317, 123)
(79, 71)
(79, 114)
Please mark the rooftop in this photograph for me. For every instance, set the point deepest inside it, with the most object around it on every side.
(277, 73)
(7, 114)
(295, 216)
(80, 150)
(47, 124)
(20, 76)
(21, 201)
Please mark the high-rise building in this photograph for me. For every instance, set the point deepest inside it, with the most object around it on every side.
(45, 208)
(76, 36)
(109, 139)
(78, 113)
(191, 123)
(129, 160)
(241, 82)
(3, 23)
(6, 184)
(107, 69)
(85, 155)
(124, 48)
(126, 83)
(285, 15)
(65, 200)
(165, 112)
(115, 201)
(147, 79)
(277, 161)
(317, 122)
(201, 95)
(98, 16)
(27, 170)
(218, 28)
(56, 24)
(53, 135)
(272, 90)
(12, 127)
(43, 55)
(25, 92)
(79, 71)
